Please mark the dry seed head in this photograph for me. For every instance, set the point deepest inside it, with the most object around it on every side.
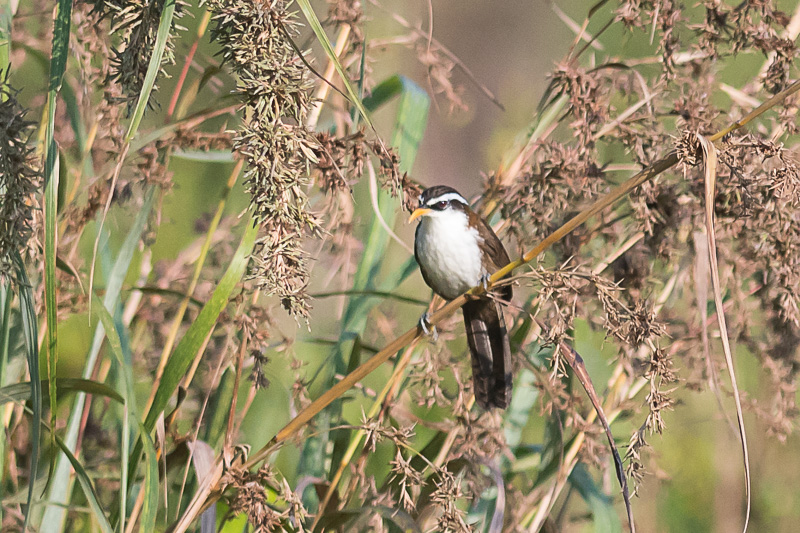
(689, 150)
(278, 148)
(20, 178)
(136, 22)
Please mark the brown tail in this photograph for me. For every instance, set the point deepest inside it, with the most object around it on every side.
(491, 353)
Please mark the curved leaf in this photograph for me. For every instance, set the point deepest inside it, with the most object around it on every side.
(21, 392)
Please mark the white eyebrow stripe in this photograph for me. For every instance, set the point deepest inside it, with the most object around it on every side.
(446, 198)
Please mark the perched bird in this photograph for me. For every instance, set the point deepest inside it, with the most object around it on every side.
(456, 250)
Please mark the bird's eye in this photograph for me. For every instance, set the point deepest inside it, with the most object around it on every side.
(440, 205)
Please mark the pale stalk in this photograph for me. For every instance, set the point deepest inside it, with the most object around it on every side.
(324, 86)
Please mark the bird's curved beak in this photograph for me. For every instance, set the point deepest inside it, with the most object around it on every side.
(419, 212)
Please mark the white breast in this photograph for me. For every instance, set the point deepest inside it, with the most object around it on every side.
(448, 253)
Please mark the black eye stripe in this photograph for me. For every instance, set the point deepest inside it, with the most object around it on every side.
(442, 201)
(439, 205)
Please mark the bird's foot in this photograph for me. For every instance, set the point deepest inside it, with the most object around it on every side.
(426, 326)
(484, 283)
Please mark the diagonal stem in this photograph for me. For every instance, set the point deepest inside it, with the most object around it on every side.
(209, 491)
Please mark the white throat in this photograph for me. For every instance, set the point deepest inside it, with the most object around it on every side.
(449, 253)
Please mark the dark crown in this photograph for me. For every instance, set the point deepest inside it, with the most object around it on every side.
(433, 194)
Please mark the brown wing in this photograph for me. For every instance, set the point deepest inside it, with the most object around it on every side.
(497, 257)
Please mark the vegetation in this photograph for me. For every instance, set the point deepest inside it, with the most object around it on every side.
(208, 300)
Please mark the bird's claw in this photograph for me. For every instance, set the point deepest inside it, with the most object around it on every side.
(426, 326)
(485, 281)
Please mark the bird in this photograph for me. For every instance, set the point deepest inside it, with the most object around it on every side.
(457, 250)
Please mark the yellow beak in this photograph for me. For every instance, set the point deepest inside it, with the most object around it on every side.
(419, 212)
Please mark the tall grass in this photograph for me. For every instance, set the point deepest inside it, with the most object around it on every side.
(207, 227)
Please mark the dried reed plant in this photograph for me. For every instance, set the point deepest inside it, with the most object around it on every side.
(653, 207)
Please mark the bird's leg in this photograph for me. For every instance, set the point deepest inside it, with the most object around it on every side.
(426, 326)
(484, 283)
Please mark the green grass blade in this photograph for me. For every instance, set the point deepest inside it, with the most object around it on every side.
(7, 9)
(322, 37)
(384, 295)
(153, 68)
(50, 296)
(412, 117)
(114, 342)
(58, 64)
(78, 127)
(525, 393)
(58, 61)
(6, 296)
(88, 488)
(131, 412)
(605, 517)
(218, 410)
(150, 488)
(21, 392)
(360, 302)
(29, 330)
(187, 348)
(384, 92)
(60, 486)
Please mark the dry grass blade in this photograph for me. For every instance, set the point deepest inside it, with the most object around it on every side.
(579, 31)
(710, 159)
(376, 209)
(740, 97)
(322, 91)
(576, 363)
(702, 272)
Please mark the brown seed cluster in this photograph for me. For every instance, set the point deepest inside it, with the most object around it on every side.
(276, 91)
(20, 179)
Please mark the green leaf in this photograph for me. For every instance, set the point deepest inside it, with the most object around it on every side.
(6, 296)
(386, 295)
(184, 353)
(7, 10)
(164, 25)
(60, 485)
(88, 488)
(322, 37)
(384, 92)
(206, 156)
(218, 409)
(21, 392)
(605, 517)
(114, 342)
(132, 412)
(50, 294)
(61, 31)
(187, 348)
(412, 117)
(150, 506)
(30, 331)
(58, 64)
(522, 402)
(168, 292)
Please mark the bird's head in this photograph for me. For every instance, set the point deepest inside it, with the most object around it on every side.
(438, 201)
